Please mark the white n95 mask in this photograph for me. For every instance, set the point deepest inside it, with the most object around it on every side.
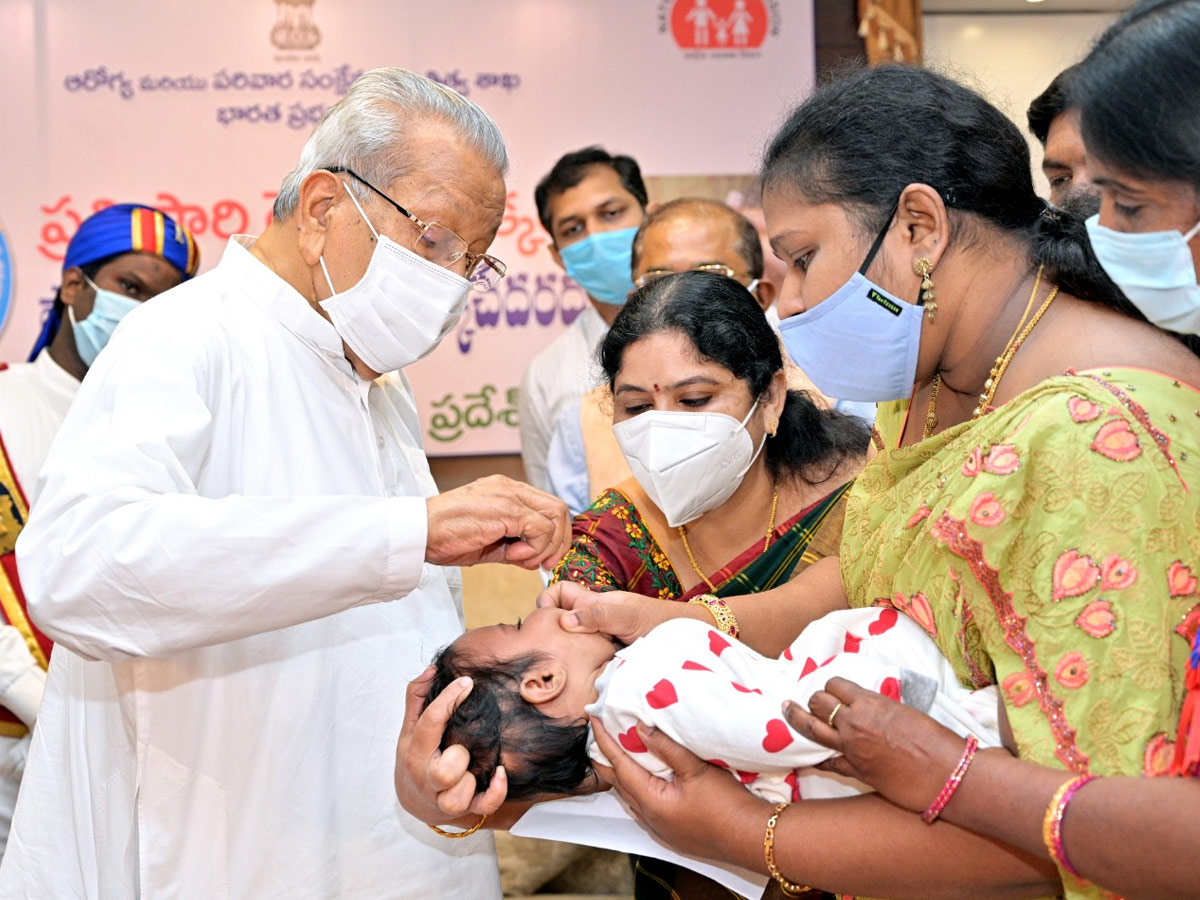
(1155, 270)
(400, 309)
(688, 463)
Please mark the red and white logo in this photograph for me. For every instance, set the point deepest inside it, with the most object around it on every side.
(719, 24)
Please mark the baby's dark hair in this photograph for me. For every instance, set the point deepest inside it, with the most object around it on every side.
(497, 726)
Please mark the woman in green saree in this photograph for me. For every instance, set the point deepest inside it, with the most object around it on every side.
(1131, 834)
(689, 358)
(1040, 517)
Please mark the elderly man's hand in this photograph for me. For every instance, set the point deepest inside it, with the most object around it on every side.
(496, 519)
(433, 784)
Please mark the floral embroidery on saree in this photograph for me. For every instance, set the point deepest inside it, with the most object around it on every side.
(953, 533)
(1072, 558)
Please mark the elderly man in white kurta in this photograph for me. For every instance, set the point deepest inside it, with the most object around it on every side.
(240, 552)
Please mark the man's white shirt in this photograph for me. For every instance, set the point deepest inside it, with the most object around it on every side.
(228, 550)
(559, 375)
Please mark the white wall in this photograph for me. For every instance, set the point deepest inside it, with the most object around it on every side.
(1011, 58)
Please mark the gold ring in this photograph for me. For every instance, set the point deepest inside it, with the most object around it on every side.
(836, 709)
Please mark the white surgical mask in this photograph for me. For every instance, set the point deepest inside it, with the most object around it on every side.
(93, 333)
(1155, 270)
(400, 309)
(688, 463)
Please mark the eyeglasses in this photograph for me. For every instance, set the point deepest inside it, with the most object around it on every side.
(440, 245)
(717, 268)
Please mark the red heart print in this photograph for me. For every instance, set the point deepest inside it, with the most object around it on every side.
(787, 654)
(716, 643)
(890, 688)
(695, 666)
(794, 782)
(718, 762)
(810, 665)
(662, 696)
(885, 622)
(631, 742)
(747, 777)
(778, 736)
(851, 645)
(744, 689)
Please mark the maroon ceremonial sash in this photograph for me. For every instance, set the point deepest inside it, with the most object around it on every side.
(14, 509)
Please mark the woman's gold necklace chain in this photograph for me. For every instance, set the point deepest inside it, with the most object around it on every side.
(992, 384)
(687, 548)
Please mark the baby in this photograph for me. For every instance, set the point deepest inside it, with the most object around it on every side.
(534, 685)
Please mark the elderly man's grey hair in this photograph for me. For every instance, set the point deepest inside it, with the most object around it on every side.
(366, 131)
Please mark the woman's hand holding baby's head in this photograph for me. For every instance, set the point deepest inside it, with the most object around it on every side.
(620, 614)
(434, 785)
(523, 714)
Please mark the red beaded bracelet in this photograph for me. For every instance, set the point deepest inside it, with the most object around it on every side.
(952, 783)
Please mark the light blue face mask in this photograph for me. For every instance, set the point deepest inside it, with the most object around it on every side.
(602, 263)
(860, 343)
(93, 333)
(1155, 270)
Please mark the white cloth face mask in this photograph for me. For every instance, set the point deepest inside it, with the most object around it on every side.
(688, 463)
(1155, 270)
(400, 309)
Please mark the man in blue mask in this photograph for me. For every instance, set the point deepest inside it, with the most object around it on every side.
(119, 257)
(591, 204)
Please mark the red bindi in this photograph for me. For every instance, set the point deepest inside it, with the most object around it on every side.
(656, 388)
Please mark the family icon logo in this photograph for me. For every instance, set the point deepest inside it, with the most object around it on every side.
(721, 24)
(294, 28)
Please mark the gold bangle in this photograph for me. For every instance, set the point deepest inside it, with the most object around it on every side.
(789, 889)
(720, 611)
(457, 835)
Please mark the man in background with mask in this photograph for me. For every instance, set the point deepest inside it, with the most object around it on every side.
(1054, 121)
(118, 258)
(679, 236)
(591, 204)
(241, 554)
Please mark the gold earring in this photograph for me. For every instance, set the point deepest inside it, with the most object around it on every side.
(772, 428)
(924, 268)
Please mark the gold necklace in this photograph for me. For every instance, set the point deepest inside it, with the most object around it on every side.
(1014, 344)
(766, 542)
(990, 386)
(931, 412)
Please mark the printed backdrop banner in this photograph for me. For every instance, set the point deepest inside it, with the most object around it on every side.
(201, 109)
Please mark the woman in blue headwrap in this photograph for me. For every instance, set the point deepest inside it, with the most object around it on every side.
(119, 257)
